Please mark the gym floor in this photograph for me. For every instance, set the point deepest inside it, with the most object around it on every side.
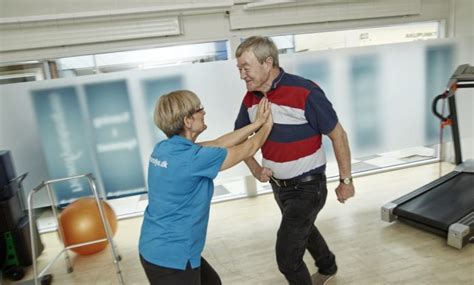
(241, 240)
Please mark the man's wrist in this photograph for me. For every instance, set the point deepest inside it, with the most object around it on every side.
(254, 171)
(345, 180)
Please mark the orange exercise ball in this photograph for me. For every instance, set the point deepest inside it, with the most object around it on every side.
(81, 222)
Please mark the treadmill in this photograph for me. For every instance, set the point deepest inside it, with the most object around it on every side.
(446, 205)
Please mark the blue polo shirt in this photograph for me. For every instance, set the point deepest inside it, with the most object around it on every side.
(180, 189)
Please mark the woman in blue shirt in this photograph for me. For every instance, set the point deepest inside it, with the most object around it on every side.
(180, 187)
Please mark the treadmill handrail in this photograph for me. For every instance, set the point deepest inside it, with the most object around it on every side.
(463, 73)
(463, 77)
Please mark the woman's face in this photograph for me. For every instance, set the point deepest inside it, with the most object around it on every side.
(198, 124)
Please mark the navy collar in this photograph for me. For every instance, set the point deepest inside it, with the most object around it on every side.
(277, 80)
(275, 83)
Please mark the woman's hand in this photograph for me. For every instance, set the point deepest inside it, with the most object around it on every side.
(269, 122)
(263, 112)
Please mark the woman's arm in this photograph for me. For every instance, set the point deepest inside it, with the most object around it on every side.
(238, 136)
(248, 148)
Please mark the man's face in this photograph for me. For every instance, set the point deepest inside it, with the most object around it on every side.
(255, 74)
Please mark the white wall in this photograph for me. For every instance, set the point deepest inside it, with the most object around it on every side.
(31, 30)
(463, 26)
(27, 28)
(50, 29)
(463, 14)
(400, 109)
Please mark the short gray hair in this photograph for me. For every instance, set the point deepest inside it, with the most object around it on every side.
(262, 48)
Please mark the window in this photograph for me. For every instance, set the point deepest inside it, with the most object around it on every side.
(359, 37)
(21, 72)
(142, 59)
(116, 61)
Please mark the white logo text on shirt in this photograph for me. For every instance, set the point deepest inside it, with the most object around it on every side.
(159, 163)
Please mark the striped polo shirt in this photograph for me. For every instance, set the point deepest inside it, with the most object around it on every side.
(301, 115)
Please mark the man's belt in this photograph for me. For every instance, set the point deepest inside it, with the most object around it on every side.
(295, 181)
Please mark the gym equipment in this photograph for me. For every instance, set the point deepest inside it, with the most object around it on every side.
(81, 223)
(15, 246)
(10, 207)
(7, 170)
(104, 222)
(444, 206)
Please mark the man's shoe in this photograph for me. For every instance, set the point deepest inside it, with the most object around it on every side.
(321, 279)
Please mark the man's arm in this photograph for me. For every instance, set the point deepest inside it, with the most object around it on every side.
(261, 173)
(343, 156)
(341, 150)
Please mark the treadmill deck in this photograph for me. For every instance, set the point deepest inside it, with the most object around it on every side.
(443, 205)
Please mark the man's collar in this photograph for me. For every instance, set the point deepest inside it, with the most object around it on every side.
(275, 83)
(277, 80)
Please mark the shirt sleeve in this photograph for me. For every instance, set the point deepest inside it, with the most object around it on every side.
(243, 118)
(319, 112)
(207, 161)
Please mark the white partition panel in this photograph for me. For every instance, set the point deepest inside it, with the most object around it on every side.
(382, 95)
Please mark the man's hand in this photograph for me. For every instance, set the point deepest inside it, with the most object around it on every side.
(344, 192)
(263, 174)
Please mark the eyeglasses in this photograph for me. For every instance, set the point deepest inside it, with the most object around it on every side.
(200, 109)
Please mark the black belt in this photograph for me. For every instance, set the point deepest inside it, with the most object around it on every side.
(298, 180)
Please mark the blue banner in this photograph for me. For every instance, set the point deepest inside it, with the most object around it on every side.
(153, 89)
(116, 142)
(61, 127)
(364, 70)
(439, 67)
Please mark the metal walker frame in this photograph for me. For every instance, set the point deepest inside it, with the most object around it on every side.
(47, 184)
